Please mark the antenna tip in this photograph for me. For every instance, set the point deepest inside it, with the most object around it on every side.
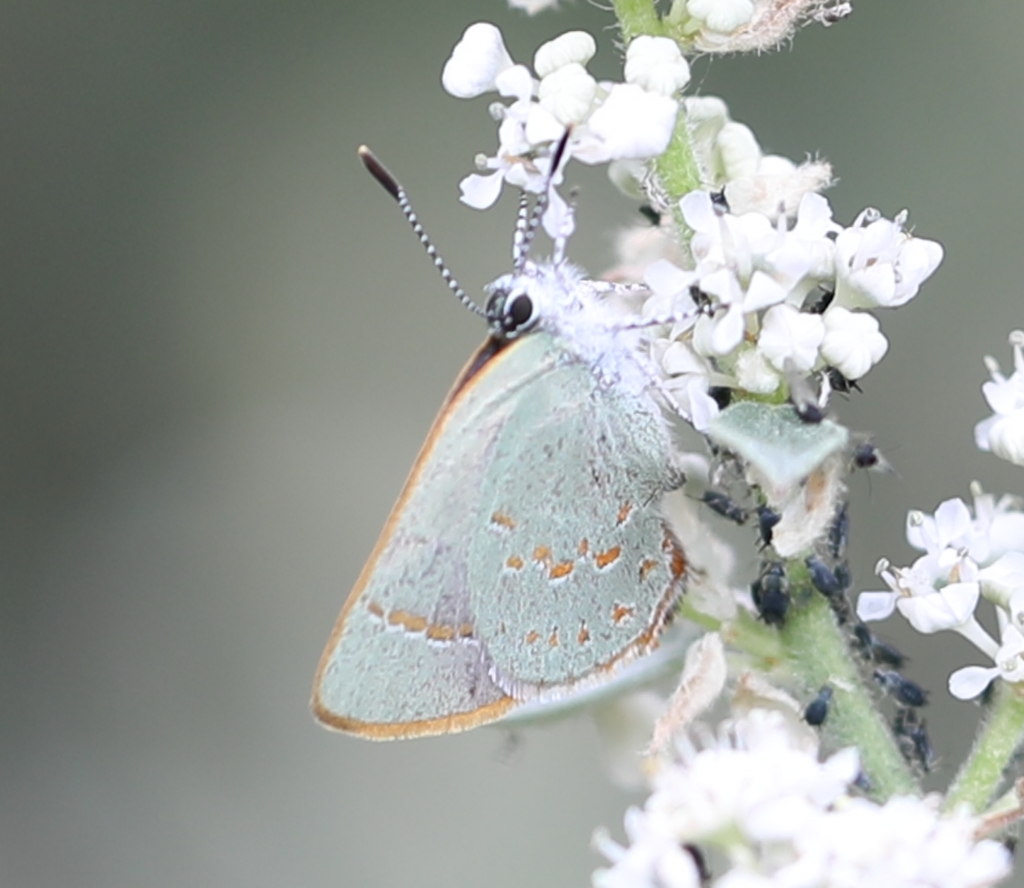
(380, 172)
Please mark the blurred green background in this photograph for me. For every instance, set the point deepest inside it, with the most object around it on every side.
(220, 349)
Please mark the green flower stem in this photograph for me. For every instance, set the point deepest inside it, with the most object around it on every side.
(677, 168)
(820, 655)
(1001, 735)
(637, 17)
(679, 171)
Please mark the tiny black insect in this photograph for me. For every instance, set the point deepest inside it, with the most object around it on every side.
(817, 710)
(839, 532)
(767, 518)
(840, 383)
(912, 734)
(650, 214)
(823, 301)
(823, 579)
(866, 456)
(721, 395)
(873, 648)
(809, 412)
(902, 689)
(724, 505)
(771, 594)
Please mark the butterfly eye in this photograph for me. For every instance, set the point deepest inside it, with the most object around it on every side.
(510, 313)
(519, 312)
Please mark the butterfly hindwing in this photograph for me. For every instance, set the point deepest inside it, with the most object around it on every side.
(577, 569)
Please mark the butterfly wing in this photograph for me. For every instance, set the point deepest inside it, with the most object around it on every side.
(574, 568)
(429, 641)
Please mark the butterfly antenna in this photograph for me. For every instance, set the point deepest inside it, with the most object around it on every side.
(526, 228)
(518, 246)
(390, 183)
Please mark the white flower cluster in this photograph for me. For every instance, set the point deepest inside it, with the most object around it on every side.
(633, 120)
(760, 799)
(766, 300)
(1003, 432)
(968, 556)
(771, 288)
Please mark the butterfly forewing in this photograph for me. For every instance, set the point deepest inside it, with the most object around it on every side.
(525, 555)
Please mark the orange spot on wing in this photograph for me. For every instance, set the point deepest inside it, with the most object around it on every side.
(409, 621)
(603, 559)
(466, 630)
(624, 511)
(553, 640)
(375, 609)
(515, 562)
(561, 570)
(584, 634)
(621, 612)
(646, 568)
(503, 520)
(677, 561)
(532, 637)
(439, 632)
(583, 547)
(542, 553)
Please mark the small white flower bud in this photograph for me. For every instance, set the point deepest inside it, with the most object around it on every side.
(722, 16)
(853, 342)
(477, 59)
(739, 150)
(1006, 437)
(788, 335)
(656, 64)
(755, 374)
(567, 93)
(571, 47)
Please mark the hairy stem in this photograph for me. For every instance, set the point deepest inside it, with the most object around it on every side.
(997, 742)
(820, 655)
(637, 17)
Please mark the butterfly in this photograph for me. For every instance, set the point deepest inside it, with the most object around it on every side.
(527, 557)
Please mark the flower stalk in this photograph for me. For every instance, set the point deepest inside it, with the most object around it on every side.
(1001, 736)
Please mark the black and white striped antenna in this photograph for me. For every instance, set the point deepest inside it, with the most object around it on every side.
(391, 184)
(526, 226)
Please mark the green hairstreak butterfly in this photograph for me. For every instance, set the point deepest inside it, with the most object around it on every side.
(528, 555)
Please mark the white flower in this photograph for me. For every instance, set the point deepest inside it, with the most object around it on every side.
(567, 93)
(631, 123)
(721, 15)
(478, 58)
(1002, 583)
(1003, 432)
(755, 374)
(877, 263)
(853, 342)
(789, 338)
(762, 802)
(577, 47)
(532, 7)
(738, 148)
(998, 526)
(752, 182)
(923, 596)
(609, 121)
(1009, 665)
(745, 262)
(950, 527)
(656, 64)
(776, 189)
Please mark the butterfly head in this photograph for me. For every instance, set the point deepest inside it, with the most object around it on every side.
(511, 310)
